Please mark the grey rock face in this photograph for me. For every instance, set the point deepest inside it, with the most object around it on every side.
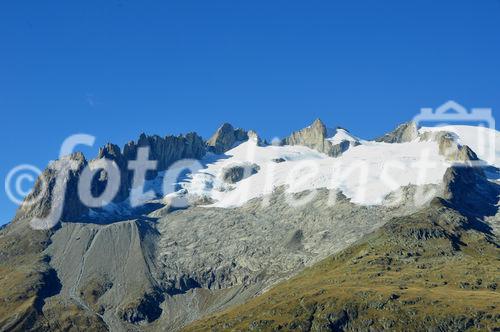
(225, 138)
(113, 152)
(405, 132)
(315, 137)
(165, 150)
(46, 186)
(338, 149)
(294, 241)
(468, 189)
(455, 152)
(236, 173)
(108, 271)
(448, 146)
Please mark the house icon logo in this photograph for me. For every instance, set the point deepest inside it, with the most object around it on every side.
(452, 114)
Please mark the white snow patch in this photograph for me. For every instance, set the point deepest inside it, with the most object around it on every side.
(342, 135)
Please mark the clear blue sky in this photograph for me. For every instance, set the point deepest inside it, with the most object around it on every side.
(114, 69)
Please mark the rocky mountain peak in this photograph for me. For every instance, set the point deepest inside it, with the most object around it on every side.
(109, 151)
(47, 185)
(405, 132)
(319, 125)
(225, 138)
(315, 137)
(449, 146)
(312, 136)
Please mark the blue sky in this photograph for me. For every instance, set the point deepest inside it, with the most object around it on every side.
(115, 69)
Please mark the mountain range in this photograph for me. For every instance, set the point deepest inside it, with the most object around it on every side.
(319, 231)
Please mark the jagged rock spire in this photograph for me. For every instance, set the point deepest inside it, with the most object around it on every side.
(225, 138)
(166, 150)
(315, 137)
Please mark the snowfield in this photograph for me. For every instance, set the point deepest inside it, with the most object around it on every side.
(366, 173)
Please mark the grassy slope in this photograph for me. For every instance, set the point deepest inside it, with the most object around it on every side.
(420, 272)
(21, 276)
(26, 279)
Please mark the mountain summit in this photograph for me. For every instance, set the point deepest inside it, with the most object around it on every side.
(316, 137)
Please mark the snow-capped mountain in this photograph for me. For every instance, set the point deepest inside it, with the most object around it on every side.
(224, 220)
(367, 172)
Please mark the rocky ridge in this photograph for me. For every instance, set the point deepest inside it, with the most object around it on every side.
(405, 132)
(165, 150)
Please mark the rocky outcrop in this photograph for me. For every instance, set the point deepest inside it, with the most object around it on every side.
(39, 202)
(338, 149)
(143, 310)
(254, 137)
(470, 192)
(449, 147)
(166, 150)
(236, 173)
(225, 138)
(113, 152)
(405, 132)
(315, 137)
